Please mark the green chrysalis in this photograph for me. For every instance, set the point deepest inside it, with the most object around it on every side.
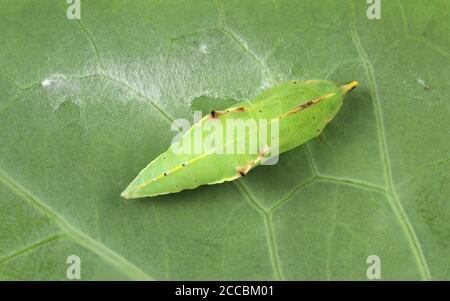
(299, 109)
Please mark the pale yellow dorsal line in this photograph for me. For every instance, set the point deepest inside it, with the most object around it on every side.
(176, 168)
(307, 104)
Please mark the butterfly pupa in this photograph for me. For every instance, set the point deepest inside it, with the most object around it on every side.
(300, 108)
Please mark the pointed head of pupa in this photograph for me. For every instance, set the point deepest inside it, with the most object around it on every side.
(349, 86)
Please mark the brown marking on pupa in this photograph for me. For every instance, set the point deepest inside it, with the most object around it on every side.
(305, 105)
(242, 171)
(216, 114)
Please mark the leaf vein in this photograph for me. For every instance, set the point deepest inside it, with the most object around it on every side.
(269, 231)
(13, 255)
(391, 195)
(89, 37)
(77, 235)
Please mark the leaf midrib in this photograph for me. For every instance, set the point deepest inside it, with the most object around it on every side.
(391, 194)
(73, 232)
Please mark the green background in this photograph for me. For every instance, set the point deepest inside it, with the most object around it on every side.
(85, 104)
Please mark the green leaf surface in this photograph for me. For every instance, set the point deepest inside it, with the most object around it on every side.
(85, 104)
